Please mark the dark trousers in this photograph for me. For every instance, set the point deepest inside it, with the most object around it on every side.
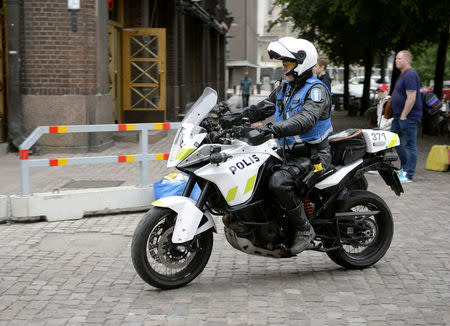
(283, 182)
(245, 98)
(286, 182)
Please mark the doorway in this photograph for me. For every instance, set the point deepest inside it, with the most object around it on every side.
(144, 74)
(137, 66)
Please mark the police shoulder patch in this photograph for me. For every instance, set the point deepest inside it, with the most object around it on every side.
(316, 94)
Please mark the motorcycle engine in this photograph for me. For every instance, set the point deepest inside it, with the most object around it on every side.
(253, 231)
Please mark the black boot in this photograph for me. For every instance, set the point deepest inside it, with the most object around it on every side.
(304, 232)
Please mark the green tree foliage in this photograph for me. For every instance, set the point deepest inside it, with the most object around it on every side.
(425, 62)
(326, 25)
(354, 31)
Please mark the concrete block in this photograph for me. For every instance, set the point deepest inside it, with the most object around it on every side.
(3, 207)
(74, 204)
(52, 110)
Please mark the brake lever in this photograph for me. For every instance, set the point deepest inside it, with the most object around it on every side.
(223, 108)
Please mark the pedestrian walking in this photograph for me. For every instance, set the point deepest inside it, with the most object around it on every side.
(246, 85)
(407, 114)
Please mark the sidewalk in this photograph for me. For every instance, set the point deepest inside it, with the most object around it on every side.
(236, 100)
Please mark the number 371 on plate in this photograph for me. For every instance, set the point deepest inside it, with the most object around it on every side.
(377, 136)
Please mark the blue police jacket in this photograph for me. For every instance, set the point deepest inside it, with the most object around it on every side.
(293, 105)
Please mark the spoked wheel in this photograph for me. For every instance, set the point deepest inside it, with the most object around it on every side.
(161, 263)
(365, 240)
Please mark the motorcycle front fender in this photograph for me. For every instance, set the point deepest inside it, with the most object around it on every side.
(188, 217)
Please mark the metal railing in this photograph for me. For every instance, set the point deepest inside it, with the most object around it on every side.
(143, 158)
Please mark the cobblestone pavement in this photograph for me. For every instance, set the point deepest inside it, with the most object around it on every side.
(80, 272)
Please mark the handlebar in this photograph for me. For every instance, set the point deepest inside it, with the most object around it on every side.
(232, 125)
(249, 134)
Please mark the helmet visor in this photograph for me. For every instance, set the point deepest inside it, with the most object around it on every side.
(289, 64)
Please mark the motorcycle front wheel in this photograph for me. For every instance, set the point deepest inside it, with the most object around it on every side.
(363, 248)
(161, 263)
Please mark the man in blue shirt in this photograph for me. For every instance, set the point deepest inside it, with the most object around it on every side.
(407, 112)
(245, 89)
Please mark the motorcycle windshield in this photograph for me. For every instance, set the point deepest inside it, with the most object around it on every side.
(190, 134)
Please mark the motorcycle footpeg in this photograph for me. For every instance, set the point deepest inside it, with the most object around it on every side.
(313, 246)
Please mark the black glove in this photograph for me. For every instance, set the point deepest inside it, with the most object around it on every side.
(260, 134)
(266, 130)
(230, 119)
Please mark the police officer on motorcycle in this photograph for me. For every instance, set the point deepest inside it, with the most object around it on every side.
(302, 108)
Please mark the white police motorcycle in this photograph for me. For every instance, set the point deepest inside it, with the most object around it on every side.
(173, 241)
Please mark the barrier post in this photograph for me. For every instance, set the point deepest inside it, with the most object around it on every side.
(143, 158)
(143, 143)
(25, 178)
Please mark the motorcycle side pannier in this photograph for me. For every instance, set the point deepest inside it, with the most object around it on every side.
(347, 146)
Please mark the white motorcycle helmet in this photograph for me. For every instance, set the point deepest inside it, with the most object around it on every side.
(297, 50)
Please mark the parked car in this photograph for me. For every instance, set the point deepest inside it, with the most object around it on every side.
(446, 90)
(356, 87)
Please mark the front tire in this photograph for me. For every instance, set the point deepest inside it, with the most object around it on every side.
(158, 261)
(359, 254)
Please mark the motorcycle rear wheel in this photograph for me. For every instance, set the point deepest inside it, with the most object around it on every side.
(381, 226)
(158, 261)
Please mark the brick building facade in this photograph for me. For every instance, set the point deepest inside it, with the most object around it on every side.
(73, 64)
(64, 76)
(57, 60)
